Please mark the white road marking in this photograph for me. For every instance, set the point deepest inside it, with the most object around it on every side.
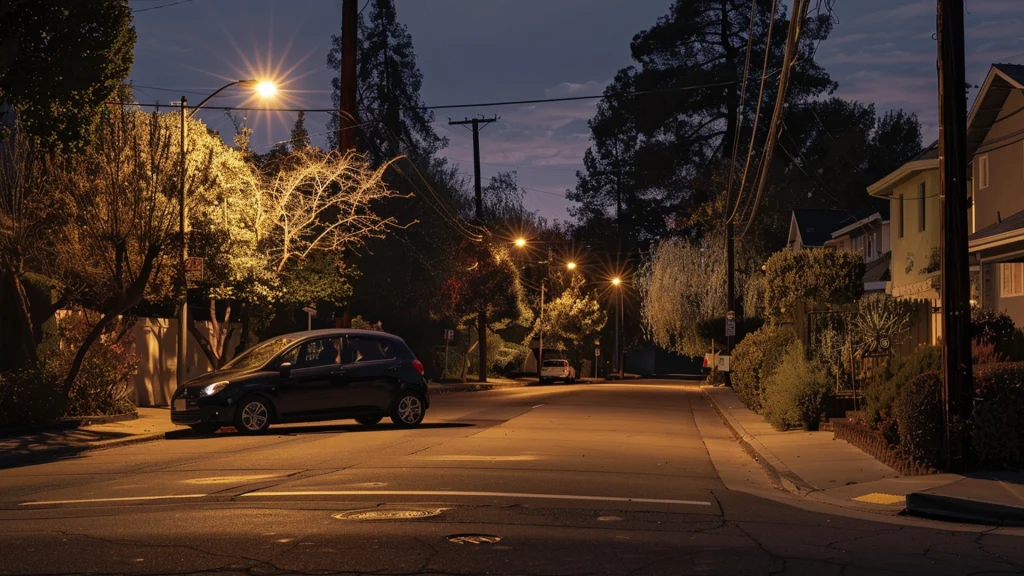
(537, 406)
(125, 499)
(480, 494)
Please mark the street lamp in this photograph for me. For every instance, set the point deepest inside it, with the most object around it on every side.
(617, 283)
(571, 265)
(265, 89)
(520, 242)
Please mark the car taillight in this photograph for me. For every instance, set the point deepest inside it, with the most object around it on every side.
(418, 366)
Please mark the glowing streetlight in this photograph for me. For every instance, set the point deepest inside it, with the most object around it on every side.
(266, 89)
(616, 281)
(520, 242)
(571, 265)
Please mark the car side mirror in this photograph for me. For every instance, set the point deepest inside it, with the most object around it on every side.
(286, 369)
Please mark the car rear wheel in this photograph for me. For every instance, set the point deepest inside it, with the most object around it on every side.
(409, 410)
(369, 420)
(253, 415)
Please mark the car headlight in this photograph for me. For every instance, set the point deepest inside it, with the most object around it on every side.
(213, 388)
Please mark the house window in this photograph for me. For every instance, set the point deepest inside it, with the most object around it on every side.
(901, 215)
(871, 247)
(921, 206)
(983, 171)
(1011, 278)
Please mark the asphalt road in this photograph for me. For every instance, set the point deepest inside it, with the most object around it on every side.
(640, 478)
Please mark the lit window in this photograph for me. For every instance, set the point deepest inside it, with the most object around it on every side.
(983, 171)
(1011, 278)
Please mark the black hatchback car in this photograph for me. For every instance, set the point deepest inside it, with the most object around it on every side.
(305, 377)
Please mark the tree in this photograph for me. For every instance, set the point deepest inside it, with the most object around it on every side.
(280, 238)
(649, 150)
(122, 191)
(299, 139)
(573, 320)
(823, 276)
(389, 83)
(60, 60)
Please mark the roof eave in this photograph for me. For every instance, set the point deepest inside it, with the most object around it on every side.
(884, 187)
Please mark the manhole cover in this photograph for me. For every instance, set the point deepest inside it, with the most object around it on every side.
(389, 514)
(474, 539)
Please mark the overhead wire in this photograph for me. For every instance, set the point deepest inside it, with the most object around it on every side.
(137, 10)
(789, 58)
(739, 114)
(757, 113)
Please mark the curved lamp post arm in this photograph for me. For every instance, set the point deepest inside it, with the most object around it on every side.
(219, 90)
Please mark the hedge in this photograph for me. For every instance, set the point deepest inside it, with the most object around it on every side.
(755, 358)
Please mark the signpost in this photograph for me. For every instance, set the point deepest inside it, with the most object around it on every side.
(193, 271)
(730, 324)
(597, 354)
(449, 335)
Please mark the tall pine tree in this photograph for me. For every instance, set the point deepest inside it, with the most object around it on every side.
(393, 119)
(652, 150)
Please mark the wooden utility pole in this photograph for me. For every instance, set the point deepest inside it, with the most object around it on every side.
(481, 325)
(349, 63)
(956, 311)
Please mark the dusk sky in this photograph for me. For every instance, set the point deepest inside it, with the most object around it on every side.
(469, 51)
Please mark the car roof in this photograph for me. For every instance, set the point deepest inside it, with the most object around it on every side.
(327, 332)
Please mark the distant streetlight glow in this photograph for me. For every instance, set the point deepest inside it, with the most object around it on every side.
(571, 265)
(616, 281)
(520, 242)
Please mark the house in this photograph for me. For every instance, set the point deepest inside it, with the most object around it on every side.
(995, 148)
(913, 194)
(867, 235)
(812, 228)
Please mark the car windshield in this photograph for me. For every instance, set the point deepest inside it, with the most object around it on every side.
(554, 363)
(259, 354)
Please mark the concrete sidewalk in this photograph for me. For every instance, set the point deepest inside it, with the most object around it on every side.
(35, 447)
(817, 466)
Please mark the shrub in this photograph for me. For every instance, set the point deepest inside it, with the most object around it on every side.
(995, 327)
(997, 431)
(919, 416)
(795, 392)
(29, 396)
(881, 395)
(984, 352)
(754, 359)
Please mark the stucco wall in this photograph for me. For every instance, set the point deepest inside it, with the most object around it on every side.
(914, 249)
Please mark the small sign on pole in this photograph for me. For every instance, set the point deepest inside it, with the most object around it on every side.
(193, 270)
(449, 335)
(730, 328)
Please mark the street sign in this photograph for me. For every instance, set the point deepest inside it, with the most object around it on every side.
(597, 351)
(730, 328)
(449, 335)
(193, 270)
(730, 315)
(723, 363)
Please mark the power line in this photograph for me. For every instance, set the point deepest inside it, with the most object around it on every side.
(137, 10)
(455, 106)
(757, 113)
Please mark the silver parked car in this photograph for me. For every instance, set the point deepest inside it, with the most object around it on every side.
(554, 370)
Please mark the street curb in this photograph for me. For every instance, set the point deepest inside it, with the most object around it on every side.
(962, 510)
(43, 456)
(780, 474)
(71, 423)
(457, 388)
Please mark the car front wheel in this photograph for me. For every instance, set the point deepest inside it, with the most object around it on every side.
(409, 410)
(253, 416)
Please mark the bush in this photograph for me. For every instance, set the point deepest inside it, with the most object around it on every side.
(919, 416)
(795, 392)
(994, 327)
(881, 395)
(29, 396)
(997, 431)
(755, 358)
